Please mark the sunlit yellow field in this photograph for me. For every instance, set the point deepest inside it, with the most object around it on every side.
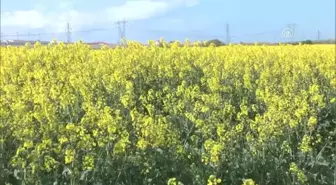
(150, 115)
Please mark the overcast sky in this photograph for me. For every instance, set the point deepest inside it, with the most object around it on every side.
(257, 20)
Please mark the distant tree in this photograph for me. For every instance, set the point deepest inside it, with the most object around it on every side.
(329, 41)
(216, 42)
(307, 42)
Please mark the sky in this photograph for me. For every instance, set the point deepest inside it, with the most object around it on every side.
(95, 20)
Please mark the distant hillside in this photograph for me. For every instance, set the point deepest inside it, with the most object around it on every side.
(94, 45)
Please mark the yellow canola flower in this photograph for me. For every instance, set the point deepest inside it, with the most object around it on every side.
(66, 105)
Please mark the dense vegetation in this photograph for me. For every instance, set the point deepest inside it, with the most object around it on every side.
(227, 115)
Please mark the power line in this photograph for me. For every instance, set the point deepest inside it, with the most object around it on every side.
(52, 33)
(27, 35)
(90, 30)
(68, 32)
(121, 26)
(260, 33)
(198, 34)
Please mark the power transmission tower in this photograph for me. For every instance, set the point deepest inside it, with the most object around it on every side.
(292, 29)
(228, 37)
(318, 35)
(121, 30)
(68, 32)
(17, 35)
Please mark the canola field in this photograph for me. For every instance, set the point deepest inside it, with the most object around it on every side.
(232, 115)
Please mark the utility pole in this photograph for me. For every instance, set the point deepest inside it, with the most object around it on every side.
(228, 37)
(68, 32)
(121, 30)
(318, 35)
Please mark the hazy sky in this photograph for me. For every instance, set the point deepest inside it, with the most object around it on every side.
(249, 20)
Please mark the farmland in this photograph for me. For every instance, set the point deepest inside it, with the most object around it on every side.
(228, 115)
